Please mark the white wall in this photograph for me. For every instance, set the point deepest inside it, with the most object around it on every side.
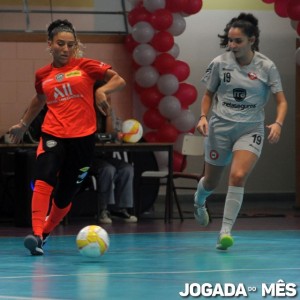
(199, 44)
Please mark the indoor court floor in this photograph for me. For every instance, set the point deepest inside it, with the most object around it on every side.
(154, 260)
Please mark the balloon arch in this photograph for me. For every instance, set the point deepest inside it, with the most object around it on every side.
(160, 78)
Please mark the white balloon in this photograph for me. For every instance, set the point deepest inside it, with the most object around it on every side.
(178, 25)
(185, 121)
(169, 107)
(174, 51)
(168, 84)
(146, 76)
(142, 32)
(297, 56)
(153, 5)
(144, 54)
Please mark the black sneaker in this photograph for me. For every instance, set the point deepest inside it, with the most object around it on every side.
(123, 215)
(34, 244)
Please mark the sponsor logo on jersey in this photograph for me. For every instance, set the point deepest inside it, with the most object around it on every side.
(238, 106)
(73, 74)
(64, 90)
(59, 77)
(239, 94)
(252, 75)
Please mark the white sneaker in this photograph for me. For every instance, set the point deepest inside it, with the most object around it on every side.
(225, 241)
(201, 215)
(104, 217)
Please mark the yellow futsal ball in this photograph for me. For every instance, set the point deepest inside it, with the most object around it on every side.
(132, 131)
(92, 241)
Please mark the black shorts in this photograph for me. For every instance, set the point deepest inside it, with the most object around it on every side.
(64, 163)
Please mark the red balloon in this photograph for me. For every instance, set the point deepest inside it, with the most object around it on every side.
(167, 133)
(153, 119)
(138, 88)
(181, 70)
(130, 43)
(162, 41)
(150, 97)
(164, 62)
(192, 7)
(150, 137)
(293, 10)
(187, 94)
(161, 19)
(135, 65)
(179, 162)
(138, 14)
(280, 7)
(176, 6)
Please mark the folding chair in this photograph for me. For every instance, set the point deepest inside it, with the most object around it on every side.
(191, 145)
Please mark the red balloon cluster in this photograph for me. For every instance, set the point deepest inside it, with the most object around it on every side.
(287, 9)
(159, 75)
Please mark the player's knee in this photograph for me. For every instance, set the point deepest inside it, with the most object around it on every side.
(238, 178)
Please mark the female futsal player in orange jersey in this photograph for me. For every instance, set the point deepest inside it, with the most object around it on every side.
(67, 144)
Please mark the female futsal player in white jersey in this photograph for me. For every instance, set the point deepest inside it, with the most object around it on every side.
(238, 84)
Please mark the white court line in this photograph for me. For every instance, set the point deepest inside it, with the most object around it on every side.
(148, 273)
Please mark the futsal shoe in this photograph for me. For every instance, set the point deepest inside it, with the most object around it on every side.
(225, 241)
(34, 244)
(201, 215)
(45, 238)
(45, 235)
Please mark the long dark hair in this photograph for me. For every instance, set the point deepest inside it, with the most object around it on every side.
(64, 26)
(249, 26)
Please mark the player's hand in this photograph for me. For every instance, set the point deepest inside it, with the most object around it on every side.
(102, 102)
(202, 126)
(16, 133)
(275, 132)
(104, 107)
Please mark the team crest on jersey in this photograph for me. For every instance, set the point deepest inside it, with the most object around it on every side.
(252, 75)
(239, 94)
(59, 77)
(214, 155)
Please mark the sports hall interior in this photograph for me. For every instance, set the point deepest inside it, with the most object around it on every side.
(145, 255)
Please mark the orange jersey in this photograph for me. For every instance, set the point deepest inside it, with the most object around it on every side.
(70, 97)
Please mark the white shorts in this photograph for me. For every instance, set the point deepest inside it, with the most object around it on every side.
(225, 137)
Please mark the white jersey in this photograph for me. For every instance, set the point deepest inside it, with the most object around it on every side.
(241, 93)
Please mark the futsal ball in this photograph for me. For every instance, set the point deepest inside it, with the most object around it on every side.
(132, 131)
(92, 241)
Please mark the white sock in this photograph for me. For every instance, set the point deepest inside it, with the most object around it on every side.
(201, 193)
(232, 207)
